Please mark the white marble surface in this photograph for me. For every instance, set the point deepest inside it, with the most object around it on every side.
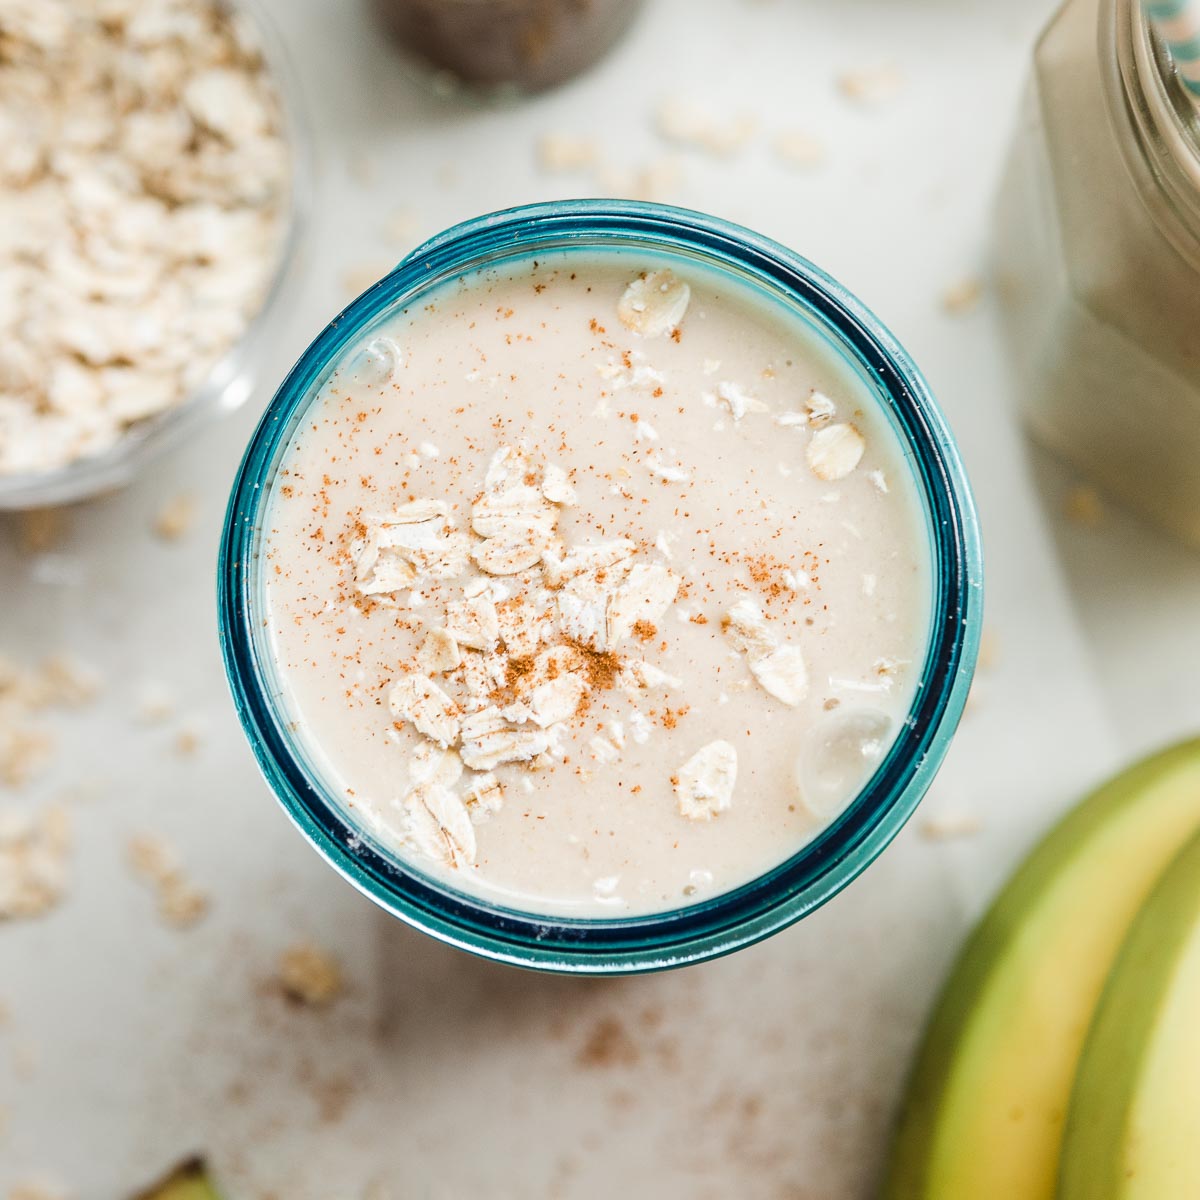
(770, 1074)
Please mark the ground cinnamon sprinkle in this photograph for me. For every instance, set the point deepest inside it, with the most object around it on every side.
(602, 666)
(644, 630)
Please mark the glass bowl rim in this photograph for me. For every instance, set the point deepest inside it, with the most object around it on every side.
(230, 378)
(728, 921)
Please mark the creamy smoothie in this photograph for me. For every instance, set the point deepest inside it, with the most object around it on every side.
(596, 585)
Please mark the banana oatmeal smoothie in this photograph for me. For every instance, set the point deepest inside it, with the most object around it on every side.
(595, 586)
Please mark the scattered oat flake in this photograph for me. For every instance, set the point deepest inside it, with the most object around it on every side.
(155, 702)
(40, 530)
(947, 826)
(34, 856)
(687, 124)
(483, 796)
(24, 752)
(31, 1189)
(1084, 506)
(357, 279)
(309, 975)
(176, 517)
(799, 149)
(26, 744)
(962, 297)
(400, 228)
(704, 784)
(187, 741)
(871, 86)
(656, 181)
(989, 649)
(564, 152)
(156, 864)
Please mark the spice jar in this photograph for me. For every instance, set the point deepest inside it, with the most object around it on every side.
(1099, 260)
(532, 44)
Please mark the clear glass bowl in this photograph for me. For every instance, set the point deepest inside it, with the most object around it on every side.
(232, 378)
(839, 852)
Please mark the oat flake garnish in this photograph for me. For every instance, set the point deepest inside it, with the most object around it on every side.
(473, 621)
(439, 826)
(489, 740)
(483, 797)
(778, 668)
(431, 763)
(417, 699)
(439, 652)
(580, 560)
(738, 402)
(821, 410)
(654, 304)
(835, 451)
(704, 784)
(516, 662)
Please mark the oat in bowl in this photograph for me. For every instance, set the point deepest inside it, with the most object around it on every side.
(601, 592)
(152, 172)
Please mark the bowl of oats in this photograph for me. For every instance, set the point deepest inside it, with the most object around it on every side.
(153, 183)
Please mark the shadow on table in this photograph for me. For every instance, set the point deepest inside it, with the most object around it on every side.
(443, 989)
(1135, 590)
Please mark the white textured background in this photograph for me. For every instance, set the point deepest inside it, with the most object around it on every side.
(771, 1074)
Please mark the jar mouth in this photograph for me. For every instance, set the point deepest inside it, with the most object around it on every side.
(1145, 94)
(840, 851)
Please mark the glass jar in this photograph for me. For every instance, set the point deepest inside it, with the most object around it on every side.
(1099, 260)
(531, 44)
(839, 852)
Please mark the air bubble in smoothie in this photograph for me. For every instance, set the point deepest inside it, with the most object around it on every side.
(595, 585)
(839, 755)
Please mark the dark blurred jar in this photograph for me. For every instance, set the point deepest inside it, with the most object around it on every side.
(532, 44)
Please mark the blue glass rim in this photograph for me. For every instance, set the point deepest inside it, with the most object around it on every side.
(837, 854)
